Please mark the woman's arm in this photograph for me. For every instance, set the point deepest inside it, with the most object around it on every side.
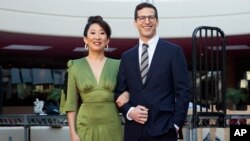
(122, 99)
(72, 126)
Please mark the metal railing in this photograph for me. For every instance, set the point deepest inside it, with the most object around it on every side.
(33, 120)
(57, 121)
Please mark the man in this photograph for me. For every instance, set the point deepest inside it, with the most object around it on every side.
(157, 79)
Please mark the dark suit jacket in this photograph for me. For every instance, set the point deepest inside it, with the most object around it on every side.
(166, 90)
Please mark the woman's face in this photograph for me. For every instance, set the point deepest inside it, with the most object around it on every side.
(96, 39)
(146, 23)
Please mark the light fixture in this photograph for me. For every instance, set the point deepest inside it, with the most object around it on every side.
(26, 47)
(231, 47)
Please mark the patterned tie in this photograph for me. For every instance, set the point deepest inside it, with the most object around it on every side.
(144, 62)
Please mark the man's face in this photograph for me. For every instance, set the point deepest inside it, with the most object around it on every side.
(146, 23)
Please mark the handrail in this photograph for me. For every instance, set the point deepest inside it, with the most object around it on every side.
(57, 121)
(33, 120)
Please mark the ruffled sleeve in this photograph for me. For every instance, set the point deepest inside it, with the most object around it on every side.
(71, 103)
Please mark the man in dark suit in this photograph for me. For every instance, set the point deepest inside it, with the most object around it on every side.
(158, 98)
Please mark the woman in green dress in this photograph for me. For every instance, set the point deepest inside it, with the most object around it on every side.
(93, 79)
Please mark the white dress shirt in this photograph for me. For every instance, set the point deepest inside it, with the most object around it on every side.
(151, 48)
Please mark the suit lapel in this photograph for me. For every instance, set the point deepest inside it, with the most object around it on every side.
(135, 62)
(136, 65)
(158, 55)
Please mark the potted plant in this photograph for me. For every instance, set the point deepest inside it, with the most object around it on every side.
(235, 97)
(52, 107)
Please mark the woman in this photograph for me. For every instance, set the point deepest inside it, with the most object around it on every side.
(93, 79)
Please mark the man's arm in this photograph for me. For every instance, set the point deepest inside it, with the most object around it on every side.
(182, 85)
(122, 86)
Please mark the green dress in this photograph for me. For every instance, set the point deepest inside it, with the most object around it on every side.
(97, 118)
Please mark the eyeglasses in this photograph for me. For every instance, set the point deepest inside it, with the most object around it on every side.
(151, 18)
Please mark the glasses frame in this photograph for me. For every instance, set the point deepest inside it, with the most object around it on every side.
(142, 19)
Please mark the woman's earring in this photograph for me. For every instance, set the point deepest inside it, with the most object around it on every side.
(86, 47)
(106, 48)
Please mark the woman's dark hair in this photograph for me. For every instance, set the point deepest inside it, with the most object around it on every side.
(145, 5)
(98, 20)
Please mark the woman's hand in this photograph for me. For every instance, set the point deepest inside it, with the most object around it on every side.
(75, 137)
(122, 99)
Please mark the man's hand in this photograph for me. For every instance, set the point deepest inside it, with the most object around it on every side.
(139, 114)
(122, 99)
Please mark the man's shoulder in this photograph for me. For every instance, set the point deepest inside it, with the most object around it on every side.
(168, 43)
(131, 50)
